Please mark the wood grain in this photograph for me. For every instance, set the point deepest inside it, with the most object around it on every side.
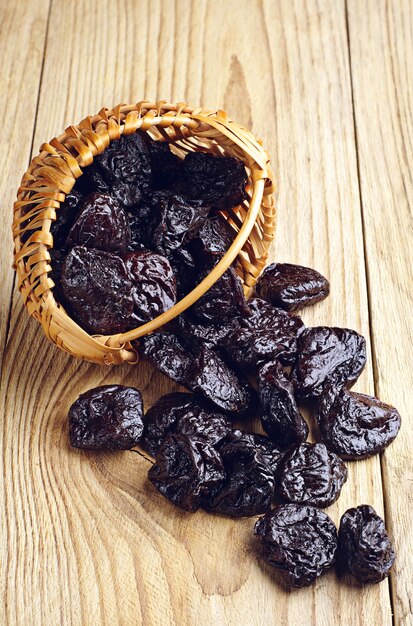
(381, 44)
(87, 540)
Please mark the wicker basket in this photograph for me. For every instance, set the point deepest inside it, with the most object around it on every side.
(53, 172)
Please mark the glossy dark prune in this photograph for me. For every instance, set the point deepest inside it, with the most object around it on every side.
(310, 474)
(223, 300)
(57, 258)
(354, 425)
(98, 289)
(217, 181)
(185, 414)
(249, 485)
(279, 414)
(300, 541)
(291, 287)
(165, 164)
(101, 223)
(154, 284)
(213, 239)
(199, 369)
(364, 545)
(186, 470)
(106, 418)
(326, 355)
(65, 216)
(271, 454)
(212, 335)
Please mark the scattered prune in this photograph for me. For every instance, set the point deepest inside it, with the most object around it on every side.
(185, 414)
(101, 224)
(106, 418)
(312, 475)
(364, 545)
(268, 451)
(98, 289)
(65, 216)
(212, 335)
(280, 416)
(217, 181)
(223, 300)
(355, 425)
(291, 287)
(186, 470)
(300, 541)
(249, 485)
(328, 355)
(213, 239)
(200, 369)
(154, 284)
(165, 164)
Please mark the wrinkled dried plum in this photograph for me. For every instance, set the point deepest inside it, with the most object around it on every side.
(249, 485)
(328, 355)
(200, 370)
(300, 541)
(65, 216)
(186, 470)
(106, 418)
(165, 164)
(280, 417)
(291, 287)
(101, 224)
(268, 451)
(364, 545)
(212, 335)
(57, 258)
(154, 284)
(312, 475)
(355, 425)
(213, 239)
(224, 299)
(185, 414)
(217, 181)
(98, 289)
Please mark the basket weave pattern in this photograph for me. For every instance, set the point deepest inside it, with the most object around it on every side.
(52, 174)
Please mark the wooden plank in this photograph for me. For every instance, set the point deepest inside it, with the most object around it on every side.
(22, 36)
(381, 45)
(87, 535)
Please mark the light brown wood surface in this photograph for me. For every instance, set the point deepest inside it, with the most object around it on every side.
(84, 538)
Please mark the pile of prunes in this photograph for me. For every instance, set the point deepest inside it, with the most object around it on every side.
(140, 230)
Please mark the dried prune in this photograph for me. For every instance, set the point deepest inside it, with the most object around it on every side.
(185, 414)
(300, 541)
(249, 485)
(310, 474)
(279, 414)
(106, 418)
(223, 300)
(65, 216)
(199, 369)
(291, 287)
(328, 355)
(186, 470)
(217, 181)
(355, 425)
(101, 224)
(154, 284)
(164, 163)
(213, 239)
(212, 335)
(271, 454)
(364, 545)
(57, 258)
(98, 289)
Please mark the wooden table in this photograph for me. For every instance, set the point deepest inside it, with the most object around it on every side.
(327, 85)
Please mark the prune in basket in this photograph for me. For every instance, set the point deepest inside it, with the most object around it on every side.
(154, 284)
(224, 299)
(165, 164)
(106, 418)
(249, 485)
(364, 545)
(101, 223)
(217, 181)
(271, 454)
(326, 355)
(185, 414)
(213, 239)
(279, 414)
(97, 287)
(311, 474)
(65, 216)
(300, 541)
(355, 425)
(291, 287)
(200, 369)
(186, 470)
